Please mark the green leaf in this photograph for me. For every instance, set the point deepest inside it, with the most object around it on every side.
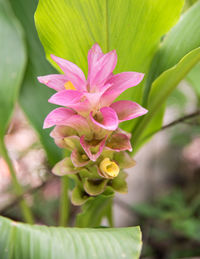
(161, 89)
(68, 28)
(40, 242)
(95, 209)
(175, 46)
(34, 96)
(165, 84)
(184, 37)
(12, 64)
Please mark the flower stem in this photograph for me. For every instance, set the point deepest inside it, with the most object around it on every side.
(26, 212)
(64, 202)
(110, 214)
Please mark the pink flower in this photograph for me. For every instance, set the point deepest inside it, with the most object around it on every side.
(87, 124)
(89, 103)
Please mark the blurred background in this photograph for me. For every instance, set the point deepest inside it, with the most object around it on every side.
(163, 188)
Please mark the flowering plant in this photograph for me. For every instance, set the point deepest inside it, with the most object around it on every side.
(88, 124)
(96, 126)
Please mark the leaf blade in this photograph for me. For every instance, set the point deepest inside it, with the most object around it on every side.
(69, 28)
(167, 82)
(174, 48)
(33, 96)
(176, 45)
(12, 63)
(49, 242)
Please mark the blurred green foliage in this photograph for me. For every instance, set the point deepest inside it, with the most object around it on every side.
(171, 223)
(171, 226)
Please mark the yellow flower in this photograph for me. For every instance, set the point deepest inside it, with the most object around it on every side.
(109, 169)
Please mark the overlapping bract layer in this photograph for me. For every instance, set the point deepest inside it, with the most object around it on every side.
(87, 124)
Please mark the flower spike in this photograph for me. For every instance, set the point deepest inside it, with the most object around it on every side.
(87, 124)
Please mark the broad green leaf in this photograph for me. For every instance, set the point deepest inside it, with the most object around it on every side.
(34, 96)
(68, 28)
(162, 87)
(12, 63)
(94, 210)
(21, 241)
(184, 37)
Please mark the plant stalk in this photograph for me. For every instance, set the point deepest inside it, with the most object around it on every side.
(64, 202)
(25, 210)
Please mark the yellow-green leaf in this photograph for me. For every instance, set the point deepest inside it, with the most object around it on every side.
(68, 28)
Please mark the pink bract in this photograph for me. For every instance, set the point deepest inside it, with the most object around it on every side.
(94, 95)
(89, 111)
